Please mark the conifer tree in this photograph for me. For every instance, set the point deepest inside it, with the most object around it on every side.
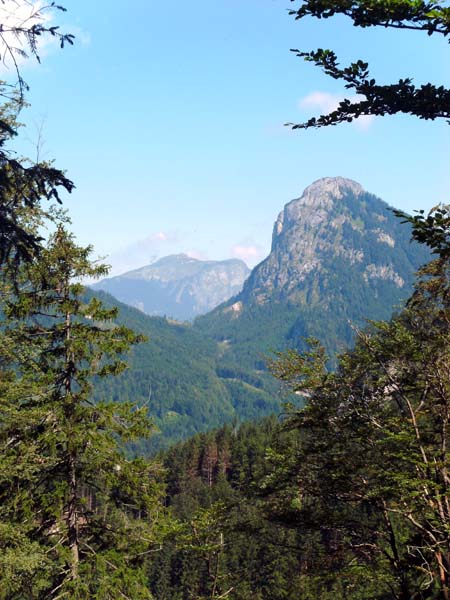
(24, 184)
(377, 430)
(373, 463)
(82, 511)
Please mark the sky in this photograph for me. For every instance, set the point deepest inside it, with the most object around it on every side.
(169, 118)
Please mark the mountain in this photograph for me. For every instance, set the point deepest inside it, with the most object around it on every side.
(339, 256)
(178, 286)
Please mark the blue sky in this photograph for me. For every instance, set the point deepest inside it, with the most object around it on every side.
(169, 118)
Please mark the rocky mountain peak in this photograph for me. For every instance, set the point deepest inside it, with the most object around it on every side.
(315, 203)
(335, 187)
(334, 227)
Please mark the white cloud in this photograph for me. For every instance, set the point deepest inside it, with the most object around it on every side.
(81, 37)
(26, 13)
(322, 101)
(325, 102)
(364, 122)
(251, 254)
(198, 254)
(20, 13)
(159, 236)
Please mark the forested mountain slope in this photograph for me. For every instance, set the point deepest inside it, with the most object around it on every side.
(178, 374)
(231, 537)
(212, 489)
(339, 257)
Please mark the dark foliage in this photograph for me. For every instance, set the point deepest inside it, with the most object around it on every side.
(426, 101)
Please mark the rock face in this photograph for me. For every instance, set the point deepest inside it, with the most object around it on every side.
(339, 256)
(178, 286)
(334, 228)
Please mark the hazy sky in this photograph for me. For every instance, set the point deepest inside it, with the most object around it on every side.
(169, 118)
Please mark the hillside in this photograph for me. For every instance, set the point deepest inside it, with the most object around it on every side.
(339, 256)
(179, 375)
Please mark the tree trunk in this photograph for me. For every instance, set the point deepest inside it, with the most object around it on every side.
(443, 577)
(72, 516)
(72, 505)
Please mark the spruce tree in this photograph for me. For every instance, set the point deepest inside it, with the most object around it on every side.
(84, 513)
(24, 184)
(372, 467)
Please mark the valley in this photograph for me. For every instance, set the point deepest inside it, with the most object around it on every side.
(339, 257)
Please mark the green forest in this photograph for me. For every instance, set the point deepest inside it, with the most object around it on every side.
(320, 476)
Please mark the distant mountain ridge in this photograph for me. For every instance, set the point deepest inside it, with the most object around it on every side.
(178, 286)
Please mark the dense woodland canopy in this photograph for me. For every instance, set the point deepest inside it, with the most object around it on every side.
(346, 498)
